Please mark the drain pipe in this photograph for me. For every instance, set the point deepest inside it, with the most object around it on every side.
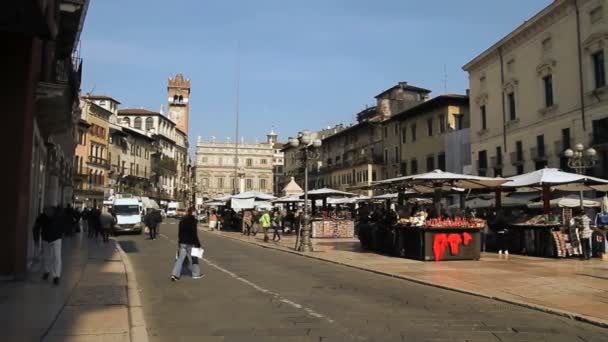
(580, 63)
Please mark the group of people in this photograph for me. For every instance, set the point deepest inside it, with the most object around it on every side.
(250, 221)
(55, 223)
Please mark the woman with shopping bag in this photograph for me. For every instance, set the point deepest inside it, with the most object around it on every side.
(189, 247)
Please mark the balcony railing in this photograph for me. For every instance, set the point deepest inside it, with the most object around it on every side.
(517, 157)
(97, 161)
(538, 153)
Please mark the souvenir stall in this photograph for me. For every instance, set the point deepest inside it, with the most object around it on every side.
(326, 224)
(549, 235)
(429, 237)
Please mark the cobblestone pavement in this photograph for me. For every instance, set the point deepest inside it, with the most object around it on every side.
(256, 294)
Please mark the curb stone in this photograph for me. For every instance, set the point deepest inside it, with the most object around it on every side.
(568, 314)
(138, 331)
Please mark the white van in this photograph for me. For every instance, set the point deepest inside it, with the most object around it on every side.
(128, 215)
(172, 209)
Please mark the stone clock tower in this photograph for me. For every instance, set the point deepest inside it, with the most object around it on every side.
(178, 90)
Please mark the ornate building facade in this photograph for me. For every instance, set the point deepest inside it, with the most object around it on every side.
(540, 90)
(217, 173)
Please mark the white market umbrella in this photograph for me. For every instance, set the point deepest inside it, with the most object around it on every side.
(327, 192)
(558, 180)
(289, 199)
(253, 194)
(566, 202)
(438, 177)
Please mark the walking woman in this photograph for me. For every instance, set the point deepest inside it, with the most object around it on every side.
(187, 239)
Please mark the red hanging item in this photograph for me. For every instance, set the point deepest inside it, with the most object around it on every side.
(440, 242)
(467, 238)
(454, 240)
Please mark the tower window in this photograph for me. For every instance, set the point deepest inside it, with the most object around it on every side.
(175, 98)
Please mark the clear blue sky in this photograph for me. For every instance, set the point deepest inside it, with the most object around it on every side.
(304, 64)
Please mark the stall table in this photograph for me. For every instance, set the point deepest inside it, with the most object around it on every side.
(439, 244)
(333, 228)
(533, 239)
(422, 243)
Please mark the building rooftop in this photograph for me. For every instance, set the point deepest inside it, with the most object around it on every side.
(100, 97)
(142, 112)
(404, 86)
(526, 26)
(438, 101)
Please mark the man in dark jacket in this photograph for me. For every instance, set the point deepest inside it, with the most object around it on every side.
(187, 239)
(51, 233)
(152, 220)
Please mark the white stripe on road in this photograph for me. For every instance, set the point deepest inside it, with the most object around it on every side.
(259, 288)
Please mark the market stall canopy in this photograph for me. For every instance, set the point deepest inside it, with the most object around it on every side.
(326, 192)
(222, 198)
(289, 199)
(556, 179)
(149, 203)
(431, 179)
(255, 195)
(292, 188)
(214, 203)
(506, 201)
(262, 205)
(348, 200)
(386, 196)
(568, 202)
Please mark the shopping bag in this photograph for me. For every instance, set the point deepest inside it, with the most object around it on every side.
(147, 230)
(197, 252)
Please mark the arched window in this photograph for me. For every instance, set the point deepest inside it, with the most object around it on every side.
(181, 99)
(126, 121)
(149, 123)
(137, 123)
(175, 98)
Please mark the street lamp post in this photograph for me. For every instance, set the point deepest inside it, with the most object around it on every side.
(580, 159)
(308, 150)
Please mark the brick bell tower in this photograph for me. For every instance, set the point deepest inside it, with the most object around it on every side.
(178, 91)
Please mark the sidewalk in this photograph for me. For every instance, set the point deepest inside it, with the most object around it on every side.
(91, 303)
(573, 288)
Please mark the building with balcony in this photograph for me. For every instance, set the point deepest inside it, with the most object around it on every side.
(130, 156)
(417, 139)
(217, 173)
(40, 105)
(292, 165)
(540, 90)
(355, 156)
(97, 112)
(168, 148)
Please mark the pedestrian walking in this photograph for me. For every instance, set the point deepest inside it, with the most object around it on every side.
(582, 223)
(51, 232)
(187, 239)
(212, 218)
(152, 221)
(265, 222)
(106, 223)
(247, 222)
(499, 226)
(276, 224)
